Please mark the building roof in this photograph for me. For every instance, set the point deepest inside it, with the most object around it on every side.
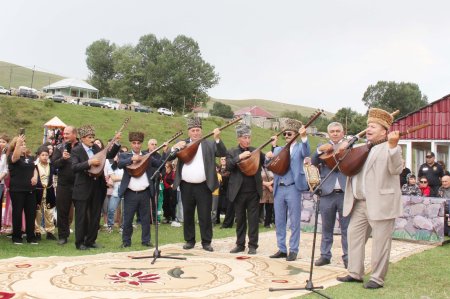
(254, 111)
(70, 83)
(54, 123)
(436, 113)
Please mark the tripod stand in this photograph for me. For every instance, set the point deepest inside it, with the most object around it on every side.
(309, 283)
(157, 252)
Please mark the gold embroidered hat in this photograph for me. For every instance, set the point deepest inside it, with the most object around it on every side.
(136, 136)
(86, 130)
(380, 117)
(194, 122)
(243, 130)
(292, 125)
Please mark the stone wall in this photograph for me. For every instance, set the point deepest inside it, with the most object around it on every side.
(422, 220)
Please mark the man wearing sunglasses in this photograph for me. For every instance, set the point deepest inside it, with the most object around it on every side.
(373, 201)
(332, 197)
(287, 190)
(433, 171)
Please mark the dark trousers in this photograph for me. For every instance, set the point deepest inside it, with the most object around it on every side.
(63, 206)
(132, 203)
(329, 206)
(23, 202)
(246, 205)
(87, 217)
(2, 189)
(229, 215)
(192, 196)
(268, 215)
(169, 203)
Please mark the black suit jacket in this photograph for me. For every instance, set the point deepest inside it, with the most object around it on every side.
(210, 150)
(84, 183)
(125, 160)
(236, 175)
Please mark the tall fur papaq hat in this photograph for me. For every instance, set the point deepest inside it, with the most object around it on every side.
(380, 117)
(86, 130)
(243, 130)
(292, 125)
(194, 122)
(136, 136)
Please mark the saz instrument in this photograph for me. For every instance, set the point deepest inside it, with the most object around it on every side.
(188, 153)
(281, 162)
(330, 158)
(250, 165)
(353, 159)
(97, 171)
(139, 167)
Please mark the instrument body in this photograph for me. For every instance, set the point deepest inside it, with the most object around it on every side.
(188, 153)
(281, 162)
(138, 168)
(97, 170)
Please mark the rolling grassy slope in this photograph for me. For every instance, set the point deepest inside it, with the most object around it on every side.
(21, 76)
(32, 114)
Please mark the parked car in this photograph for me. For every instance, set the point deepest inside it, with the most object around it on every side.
(112, 103)
(143, 109)
(58, 98)
(95, 103)
(4, 91)
(165, 111)
(27, 92)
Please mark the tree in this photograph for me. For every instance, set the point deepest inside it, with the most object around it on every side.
(100, 63)
(222, 110)
(391, 96)
(352, 121)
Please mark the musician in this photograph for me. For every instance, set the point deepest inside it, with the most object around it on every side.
(332, 196)
(88, 191)
(372, 200)
(244, 191)
(197, 180)
(136, 191)
(64, 203)
(288, 188)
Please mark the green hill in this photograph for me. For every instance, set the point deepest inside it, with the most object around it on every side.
(33, 114)
(13, 76)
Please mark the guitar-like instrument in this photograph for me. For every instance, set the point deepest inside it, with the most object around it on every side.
(97, 171)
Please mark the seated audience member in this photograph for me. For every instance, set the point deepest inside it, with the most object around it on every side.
(411, 187)
(424, 187)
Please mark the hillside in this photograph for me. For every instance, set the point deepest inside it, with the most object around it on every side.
(32, 114)
(21, 76)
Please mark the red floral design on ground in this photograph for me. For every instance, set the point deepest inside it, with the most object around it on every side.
(134, 279)
(22, 266)
(4, 295)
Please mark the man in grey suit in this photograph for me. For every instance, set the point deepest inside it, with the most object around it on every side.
(373, 201)
(332, 196)
(197, 180)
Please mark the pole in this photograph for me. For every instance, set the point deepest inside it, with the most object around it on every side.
(184, 103)
(32, 76)
(10, 76)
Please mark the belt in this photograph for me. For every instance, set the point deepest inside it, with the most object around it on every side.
(137, 192)
(338, 191)
(285, 185)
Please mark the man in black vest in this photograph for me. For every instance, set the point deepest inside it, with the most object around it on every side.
(197, 180)
(244, 191)
(89, 191)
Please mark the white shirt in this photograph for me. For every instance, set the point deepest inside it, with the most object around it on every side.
(118, 172)
(3, 167)
(194, 171)
(139, 183)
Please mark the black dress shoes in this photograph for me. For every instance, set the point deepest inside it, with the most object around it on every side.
(237, 249)
(372, 285)
(208, 247)
(147, 244)
(124, 245)
(188, 245)
(278, 255)
(251, 250)
(62, 241)
(82, 247)
(322, 262)
(51, 236)
(291, 257)
(348, 278)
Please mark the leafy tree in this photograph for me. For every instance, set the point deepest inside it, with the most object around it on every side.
(320, 123)
(222, 110)
(100, 63)
(352, 121)
(391, 96)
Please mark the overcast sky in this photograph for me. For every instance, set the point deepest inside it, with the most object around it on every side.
(321, 54)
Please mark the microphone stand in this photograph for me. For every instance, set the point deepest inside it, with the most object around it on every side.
(309, 283)
(155, 180)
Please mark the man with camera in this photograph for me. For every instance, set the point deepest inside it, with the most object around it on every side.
(61, 161)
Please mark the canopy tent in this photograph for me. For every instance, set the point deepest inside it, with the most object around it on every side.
(54, 123)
